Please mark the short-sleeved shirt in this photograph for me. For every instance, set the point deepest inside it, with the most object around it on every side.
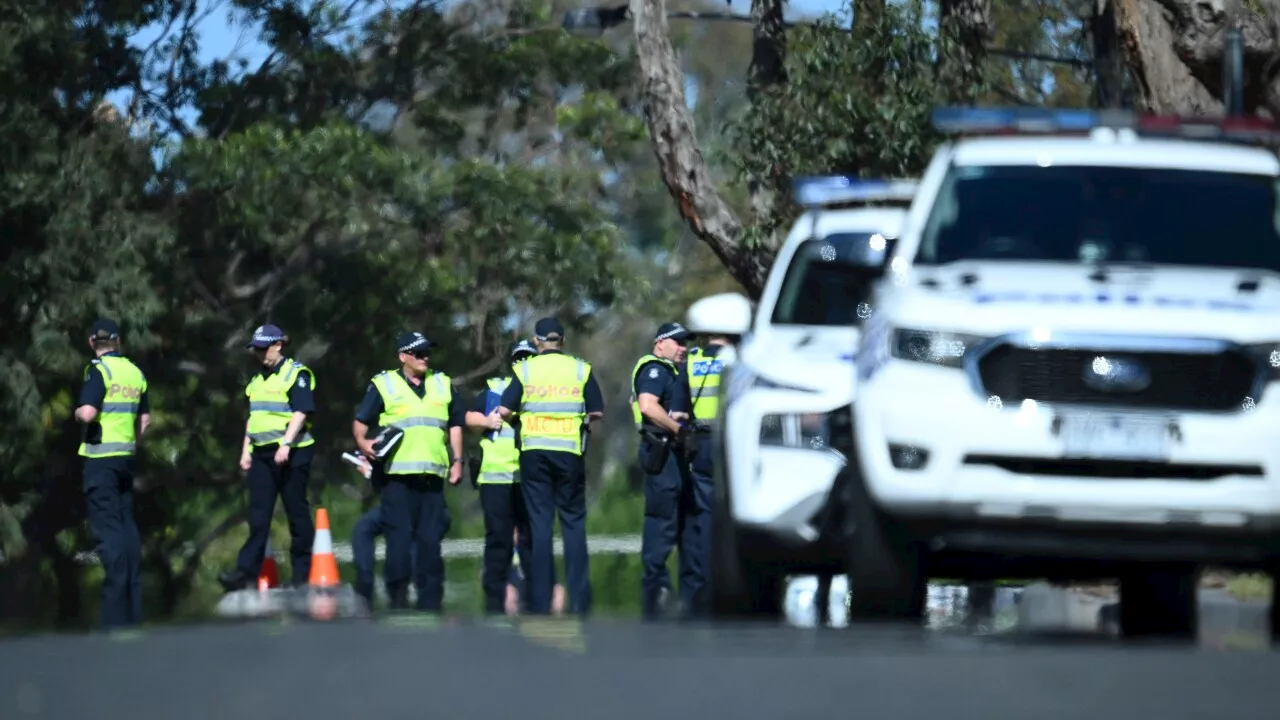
(93, 393)
(591, 395)
(659, 379)
(371, 406)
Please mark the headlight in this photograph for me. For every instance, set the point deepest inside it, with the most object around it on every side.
(931, 346)
(806, 431)
(1269, 355)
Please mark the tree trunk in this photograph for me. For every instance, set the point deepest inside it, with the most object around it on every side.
(675, 145)
(767, 73)
(1163, 83)
(965, 27)
(1108, 59)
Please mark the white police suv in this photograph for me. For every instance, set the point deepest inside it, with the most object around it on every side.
(1070, 366)
(785, 397)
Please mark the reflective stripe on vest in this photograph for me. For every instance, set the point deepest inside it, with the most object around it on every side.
(500, 461)
(424, 449)
(118, 417)
(635, 374)
(704, 384)
(269, 413)
(553, 405)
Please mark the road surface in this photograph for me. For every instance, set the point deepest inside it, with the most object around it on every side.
(415, 667)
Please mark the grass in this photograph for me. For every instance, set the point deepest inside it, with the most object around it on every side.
(1253, 587)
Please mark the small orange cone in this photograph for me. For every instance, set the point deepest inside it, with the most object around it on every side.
(269, 575)
(324, 567)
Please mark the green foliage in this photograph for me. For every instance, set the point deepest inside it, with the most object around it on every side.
(853, 103)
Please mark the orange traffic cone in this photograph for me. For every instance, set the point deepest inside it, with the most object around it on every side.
(269, 575)
(324, 567)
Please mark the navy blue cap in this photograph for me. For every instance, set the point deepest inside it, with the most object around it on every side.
(672, 331)
(264, 336)
(548, 329)
(412, 342)
(104, 329)
(521, 348)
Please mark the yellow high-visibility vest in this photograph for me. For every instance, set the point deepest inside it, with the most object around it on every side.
(500, 462)
(704, 384)
(424, 449)
(269, 412)
(553, 405)
(635, 373)
(118, 417)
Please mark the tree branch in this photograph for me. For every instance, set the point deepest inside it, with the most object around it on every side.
(684, 170)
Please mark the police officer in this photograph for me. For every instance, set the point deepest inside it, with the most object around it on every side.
(555, 395)
(115, 412)
(705, 366)
(277, 453)
(421, 402)
(660, 408)
(500, 496)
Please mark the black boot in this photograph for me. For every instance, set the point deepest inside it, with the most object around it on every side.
(233, 580)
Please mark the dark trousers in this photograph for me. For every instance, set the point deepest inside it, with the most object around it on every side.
(288, 482)
(414, 513)
(668, 504)
(701, 517)
(108, 491)
(504, 511)
(364, 538)
(554, 481)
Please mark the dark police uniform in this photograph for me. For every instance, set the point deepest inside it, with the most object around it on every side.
(668, 492)
(268, 481)
(704, 368)
(561, 392)
(413, 509)
(118, 391)
(501, 498)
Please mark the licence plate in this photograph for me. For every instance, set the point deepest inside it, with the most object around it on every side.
(1115, 437)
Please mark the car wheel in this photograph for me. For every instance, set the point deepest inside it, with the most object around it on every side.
(740, 589)
(1159, 603)
(886, 570)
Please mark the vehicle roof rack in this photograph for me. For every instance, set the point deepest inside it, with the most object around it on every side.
(823, 191)
(972, 121)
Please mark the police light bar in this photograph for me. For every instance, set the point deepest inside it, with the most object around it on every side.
(820, 190)
(1019, 121)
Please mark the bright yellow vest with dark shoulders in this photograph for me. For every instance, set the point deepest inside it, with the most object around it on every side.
(269, 412)
(704, 384)
(500, 461)
(553, 404)
(635, 374)
(424, 449)
(118, 418)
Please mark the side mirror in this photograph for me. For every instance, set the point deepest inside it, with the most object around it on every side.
(724, 314)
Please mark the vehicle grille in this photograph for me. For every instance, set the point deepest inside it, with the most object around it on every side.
(1217, 382)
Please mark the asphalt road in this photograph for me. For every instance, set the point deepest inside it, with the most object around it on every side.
(616, 670)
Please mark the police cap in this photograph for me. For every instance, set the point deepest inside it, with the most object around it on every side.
(672, 331)
(521, 349)
(413, 342)
(548, 329)
(104, 329)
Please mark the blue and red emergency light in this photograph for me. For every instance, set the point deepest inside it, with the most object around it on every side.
(821, 190)
(1029, 121)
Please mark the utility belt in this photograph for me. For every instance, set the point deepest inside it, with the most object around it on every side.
(702, 426)
(661, 443)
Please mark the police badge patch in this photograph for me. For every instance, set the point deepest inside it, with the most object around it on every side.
(653, 372)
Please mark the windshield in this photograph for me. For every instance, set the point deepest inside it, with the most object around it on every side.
(1104, 214)
(827, 278)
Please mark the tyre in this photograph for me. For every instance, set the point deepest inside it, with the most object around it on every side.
(888, 580)
(740, 589)
(1160, 603)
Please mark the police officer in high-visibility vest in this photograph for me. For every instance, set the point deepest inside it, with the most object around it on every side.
(501, 499)
(421, 402)
(277, 453)
(705, 366)
(661, 410)
(554, 395)
(115, 412)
